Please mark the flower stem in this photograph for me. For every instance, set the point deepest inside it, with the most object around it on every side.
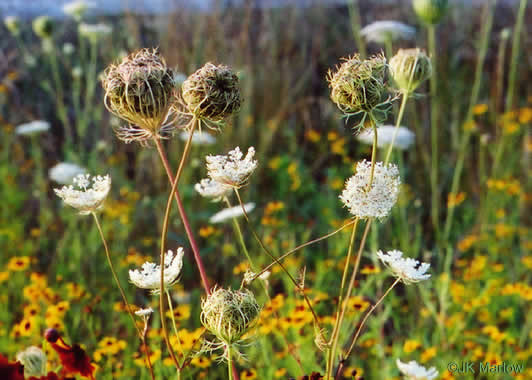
(230, 368)
(515, 55)
(166, 219)
(373, 154)
(397, 124)
(173, 321)
(335, 332)
(238, 231)
(124, 298)
(348, 294)
(181, 209)
(364, 321)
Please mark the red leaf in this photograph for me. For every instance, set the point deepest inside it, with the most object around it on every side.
(10, 371)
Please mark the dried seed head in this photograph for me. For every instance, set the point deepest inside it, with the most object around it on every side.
(430, 11)
(43, 26)
(359, 87)
(212, 93)
(229, 314)
(409, 68)
(141, 91)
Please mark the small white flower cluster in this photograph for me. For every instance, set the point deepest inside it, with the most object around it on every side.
(149, 277)
(88, 199)
(378, 200)
(406, 269)
(65, 172)
(232, 169)
(198, 138)
(209, 188)
(144, 313)
(383, 31)
(231, 212)
(413, 371)
(32, 128)
(94, 31)
(404, 139)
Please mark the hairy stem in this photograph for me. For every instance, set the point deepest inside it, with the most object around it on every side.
(397, 125)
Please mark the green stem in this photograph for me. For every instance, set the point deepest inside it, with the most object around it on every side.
(373, 154)
(170, 306)
(434, 118)
(397, 124)
(336, 328)
(229, 363)
(240, 237)
(515, 55)
(354, 15)
(124, 298)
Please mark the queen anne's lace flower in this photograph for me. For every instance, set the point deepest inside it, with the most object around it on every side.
(199, 138)
(88, 199)
(377, 201)
(144, 313)
(209, 188)
(32, 128)
(231, 212)
(413, 371)
(404, 139)
(406, 269)
(65, 172)
(149, 277)
(232, 169)
(383, 31)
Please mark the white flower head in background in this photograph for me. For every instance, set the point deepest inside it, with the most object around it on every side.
(144, 314)
(404, 139)
(230, 213)
(406, 269)
(34, 361)
(209, 188)
(198, 138)
(94, 32)
(149, 277)
(413, 371)
(87, 199)
(77, 9)
(32, 128)
(378, 200)
(65, 172)
(384, 31)
(179, 78)
(232, 169)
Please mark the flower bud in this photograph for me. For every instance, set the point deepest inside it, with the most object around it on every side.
(141, 91)
(34, 361)
(409, 68)
(229, 314)
(212, 92)
(360, 87)
(12, 24)
(430, 11)
(43, 26)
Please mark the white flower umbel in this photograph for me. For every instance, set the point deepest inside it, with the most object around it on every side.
(77, 9)
(32, 128)
(149, 277)
(144, 313)
(404, 139)
(383, 31)
(378, 200)
(232, 169)
(406, 269)
(231, 212)
(209, 188)
(199, 138)
(94, 32)
(413, 371)
(65, 172)
(88, 199)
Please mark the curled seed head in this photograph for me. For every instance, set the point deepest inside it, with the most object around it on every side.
(140, 90)
(229, 314)
(212, 92)
(360, 86)
(430, 11)
(409, 68)
(43, 26)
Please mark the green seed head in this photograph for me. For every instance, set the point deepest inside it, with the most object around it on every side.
(359, 86)
(12, 24)
(34, 361)
(430, 11)
(409, 68)
(229, 314)
(212, 92)
(140, 90)
(43, 26)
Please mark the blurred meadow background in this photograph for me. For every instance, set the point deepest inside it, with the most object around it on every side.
(464, 205)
